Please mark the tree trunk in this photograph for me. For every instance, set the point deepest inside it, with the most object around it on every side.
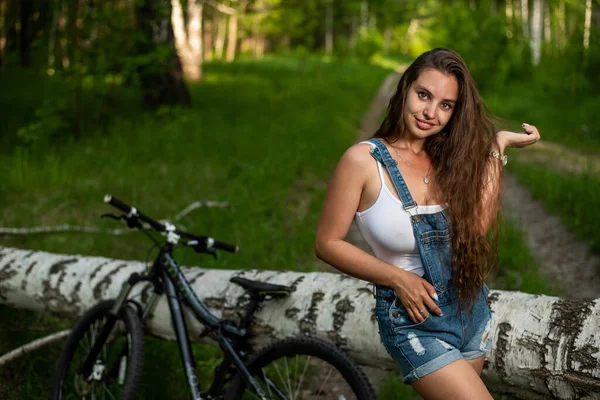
(188, 37)
(547, 25)
(52, 39)
(329, 27)
(543, 346)
(509, 13)
(587, 25)
(75, 68)
(62, 48)
(525, 18)
(25, 14)
(3, 22)
(231, 37)
(220, 37)
(162, 81)
(537, 23)
(207, 37)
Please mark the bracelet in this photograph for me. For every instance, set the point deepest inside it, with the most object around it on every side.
(502, 157)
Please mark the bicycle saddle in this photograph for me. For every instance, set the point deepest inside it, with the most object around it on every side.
(257, 288)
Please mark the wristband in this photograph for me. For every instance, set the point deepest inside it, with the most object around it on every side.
(501, 157)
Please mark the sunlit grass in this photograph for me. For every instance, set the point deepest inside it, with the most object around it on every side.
(559, 118)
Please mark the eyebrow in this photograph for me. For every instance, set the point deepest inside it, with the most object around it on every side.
(429, 92)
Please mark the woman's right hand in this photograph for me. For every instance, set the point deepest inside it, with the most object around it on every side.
(417, 295)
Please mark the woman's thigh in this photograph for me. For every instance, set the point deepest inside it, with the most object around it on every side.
(477, 364)
(457, 380)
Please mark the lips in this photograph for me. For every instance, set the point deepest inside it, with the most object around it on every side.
(423, 125)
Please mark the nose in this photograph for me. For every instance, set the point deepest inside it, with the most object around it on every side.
(426, 112)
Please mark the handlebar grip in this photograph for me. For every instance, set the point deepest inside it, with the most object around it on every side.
(113, 201)
(232, 248)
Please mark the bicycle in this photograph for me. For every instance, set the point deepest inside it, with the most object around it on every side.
(104, 351)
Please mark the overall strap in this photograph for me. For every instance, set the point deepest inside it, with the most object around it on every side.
(382, 155)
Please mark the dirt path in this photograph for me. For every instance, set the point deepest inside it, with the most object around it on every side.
(562, 257)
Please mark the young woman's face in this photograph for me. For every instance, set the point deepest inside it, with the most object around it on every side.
(429, 104)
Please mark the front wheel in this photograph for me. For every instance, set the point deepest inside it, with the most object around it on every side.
(303, 368)
(116, 371)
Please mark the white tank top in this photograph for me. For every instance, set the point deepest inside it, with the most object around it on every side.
(387, 229)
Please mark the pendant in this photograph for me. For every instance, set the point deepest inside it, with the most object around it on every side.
(426, 180)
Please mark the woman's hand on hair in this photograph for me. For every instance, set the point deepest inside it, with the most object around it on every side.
(417, 296)
(527, 137)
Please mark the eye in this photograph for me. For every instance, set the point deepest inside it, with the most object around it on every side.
(446, 106)
(422, 95)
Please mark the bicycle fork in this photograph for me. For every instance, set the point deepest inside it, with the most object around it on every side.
(88, 365)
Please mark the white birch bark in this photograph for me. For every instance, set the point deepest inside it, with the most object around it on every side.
(188, 37)
(231, 37)
(587, 25)
(536, 31)
(220, 37)
(543, 346)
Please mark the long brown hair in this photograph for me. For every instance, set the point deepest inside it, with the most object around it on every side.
(459, 160)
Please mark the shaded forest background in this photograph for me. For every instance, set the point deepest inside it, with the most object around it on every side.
(251, 103)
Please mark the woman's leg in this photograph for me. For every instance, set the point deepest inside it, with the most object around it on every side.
(455, 381)
(477, 364)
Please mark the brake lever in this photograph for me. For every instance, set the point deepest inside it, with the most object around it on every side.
(201, 249)
(132, 222)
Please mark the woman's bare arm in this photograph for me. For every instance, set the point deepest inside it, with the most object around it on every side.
(341, 202)
(490, 201)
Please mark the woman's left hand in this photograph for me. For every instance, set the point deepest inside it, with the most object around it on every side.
(529, 136)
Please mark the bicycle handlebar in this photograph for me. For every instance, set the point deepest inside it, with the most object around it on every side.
(132, 212)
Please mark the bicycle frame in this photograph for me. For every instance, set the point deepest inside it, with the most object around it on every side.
(167, 273)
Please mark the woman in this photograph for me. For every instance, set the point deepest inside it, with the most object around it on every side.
(424, 193)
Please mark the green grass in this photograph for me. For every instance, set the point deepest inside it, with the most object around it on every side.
(563, 118)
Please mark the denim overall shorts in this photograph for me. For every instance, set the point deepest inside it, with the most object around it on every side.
(420, 349)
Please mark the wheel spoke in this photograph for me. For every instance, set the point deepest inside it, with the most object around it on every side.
(109, 393)
(267, 383)
(287, 374)
(302, 376)
(325, 381)
(113, 357)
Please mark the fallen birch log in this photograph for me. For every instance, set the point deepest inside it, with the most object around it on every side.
(544, 347)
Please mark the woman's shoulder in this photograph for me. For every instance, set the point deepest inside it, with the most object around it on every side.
(358, 154)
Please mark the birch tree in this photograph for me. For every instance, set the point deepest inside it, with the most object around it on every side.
(188, 37)
(543, 346)
(161, 75)
(536, 31)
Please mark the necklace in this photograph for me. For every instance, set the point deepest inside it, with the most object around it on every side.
(425, 178)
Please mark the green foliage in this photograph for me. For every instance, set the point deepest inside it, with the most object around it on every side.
(560, 117)
(369, 44)
(464, 29)
(49, 123)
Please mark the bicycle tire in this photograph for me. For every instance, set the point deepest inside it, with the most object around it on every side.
(355, 383)
(131, 341)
